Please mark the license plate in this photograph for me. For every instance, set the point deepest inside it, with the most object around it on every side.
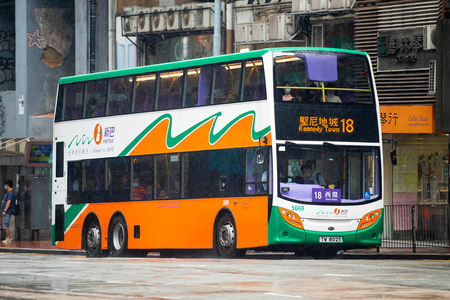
(330, 239)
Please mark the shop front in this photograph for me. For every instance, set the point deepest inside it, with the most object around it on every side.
(421, 173)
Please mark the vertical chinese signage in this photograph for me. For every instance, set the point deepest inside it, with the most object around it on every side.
(403, 50)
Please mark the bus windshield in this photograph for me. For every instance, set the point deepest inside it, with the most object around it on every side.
(317, 77)
(329, 174)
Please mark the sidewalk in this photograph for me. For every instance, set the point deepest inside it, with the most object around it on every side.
(398, 253)
(41, 247)
(45, 247)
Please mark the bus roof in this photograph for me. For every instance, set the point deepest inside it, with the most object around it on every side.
(194, 62)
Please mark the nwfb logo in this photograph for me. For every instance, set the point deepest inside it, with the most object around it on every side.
(97, 138)
(98, 134)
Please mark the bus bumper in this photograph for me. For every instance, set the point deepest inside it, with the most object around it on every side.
(280, 232)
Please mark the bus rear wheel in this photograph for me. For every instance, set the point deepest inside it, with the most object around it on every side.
(93, 240)
(225, 237)
(118, 241)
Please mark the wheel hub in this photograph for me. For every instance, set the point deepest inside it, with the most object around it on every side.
(226, 235)
(93, 237)
(118, 236)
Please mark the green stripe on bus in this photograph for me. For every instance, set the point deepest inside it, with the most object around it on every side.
(213, 138)
(71, 214)
(69, 217)
(319, 49)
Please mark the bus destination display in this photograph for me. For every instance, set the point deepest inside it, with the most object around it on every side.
(326, 123)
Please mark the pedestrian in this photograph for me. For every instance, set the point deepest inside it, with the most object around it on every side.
(7, 203)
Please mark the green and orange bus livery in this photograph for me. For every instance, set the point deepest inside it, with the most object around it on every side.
(270, 149)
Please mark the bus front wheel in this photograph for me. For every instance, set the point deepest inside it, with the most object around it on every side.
(93, 241)
(118, 241)
(226, 237)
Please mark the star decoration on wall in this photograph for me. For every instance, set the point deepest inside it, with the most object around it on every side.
(35, 39)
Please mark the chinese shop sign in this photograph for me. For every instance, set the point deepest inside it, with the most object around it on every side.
(402, 49)
(407, 119)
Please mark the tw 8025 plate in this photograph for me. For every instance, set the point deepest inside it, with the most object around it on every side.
(330, 239)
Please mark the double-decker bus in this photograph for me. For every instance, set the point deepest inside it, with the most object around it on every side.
(276, 148)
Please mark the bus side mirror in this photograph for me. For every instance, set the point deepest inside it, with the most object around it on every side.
(394, 157)
(259, 156)
(222, 183)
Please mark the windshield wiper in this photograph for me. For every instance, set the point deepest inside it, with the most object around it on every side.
(292, 145)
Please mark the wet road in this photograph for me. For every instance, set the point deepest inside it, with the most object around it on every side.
(32, 276)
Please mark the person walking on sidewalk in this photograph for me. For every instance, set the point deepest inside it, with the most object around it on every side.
(9, 199)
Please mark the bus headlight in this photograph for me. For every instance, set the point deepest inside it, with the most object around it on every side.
(291, 217)
(369, 219)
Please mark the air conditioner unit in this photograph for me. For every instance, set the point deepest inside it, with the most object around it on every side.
(346, 3)
(339, 4)
(188, 16)
(159, 19)
(300, 6)
(129, 25)
(260, 32)
(334, 4)
(319, 4)
(173, 18)
(280, 26)
(144, 20)
(205, 16)
(243, 33)
(131, 10)
(130, 20)
(429, 37)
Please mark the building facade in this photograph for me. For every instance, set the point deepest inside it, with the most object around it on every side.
(401, 38)
(43, 40)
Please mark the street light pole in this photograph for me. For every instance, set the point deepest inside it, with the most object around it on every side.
(217, 28)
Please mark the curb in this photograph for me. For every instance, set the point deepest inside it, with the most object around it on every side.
(43, 251)
(399, 256)
(268, 255)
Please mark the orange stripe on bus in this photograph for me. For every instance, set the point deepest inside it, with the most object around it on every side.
(178, 224)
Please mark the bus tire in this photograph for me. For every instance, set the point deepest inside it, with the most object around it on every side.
(225, 237)
(93, 240)
(118, 241)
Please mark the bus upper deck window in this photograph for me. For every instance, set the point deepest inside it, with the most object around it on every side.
(96, 99)
(204, 86)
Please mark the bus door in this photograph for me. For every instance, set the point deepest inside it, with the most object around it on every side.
(60, 182)
(59, 194)
(359, 175)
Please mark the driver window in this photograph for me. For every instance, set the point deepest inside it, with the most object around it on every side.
(258, 176)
